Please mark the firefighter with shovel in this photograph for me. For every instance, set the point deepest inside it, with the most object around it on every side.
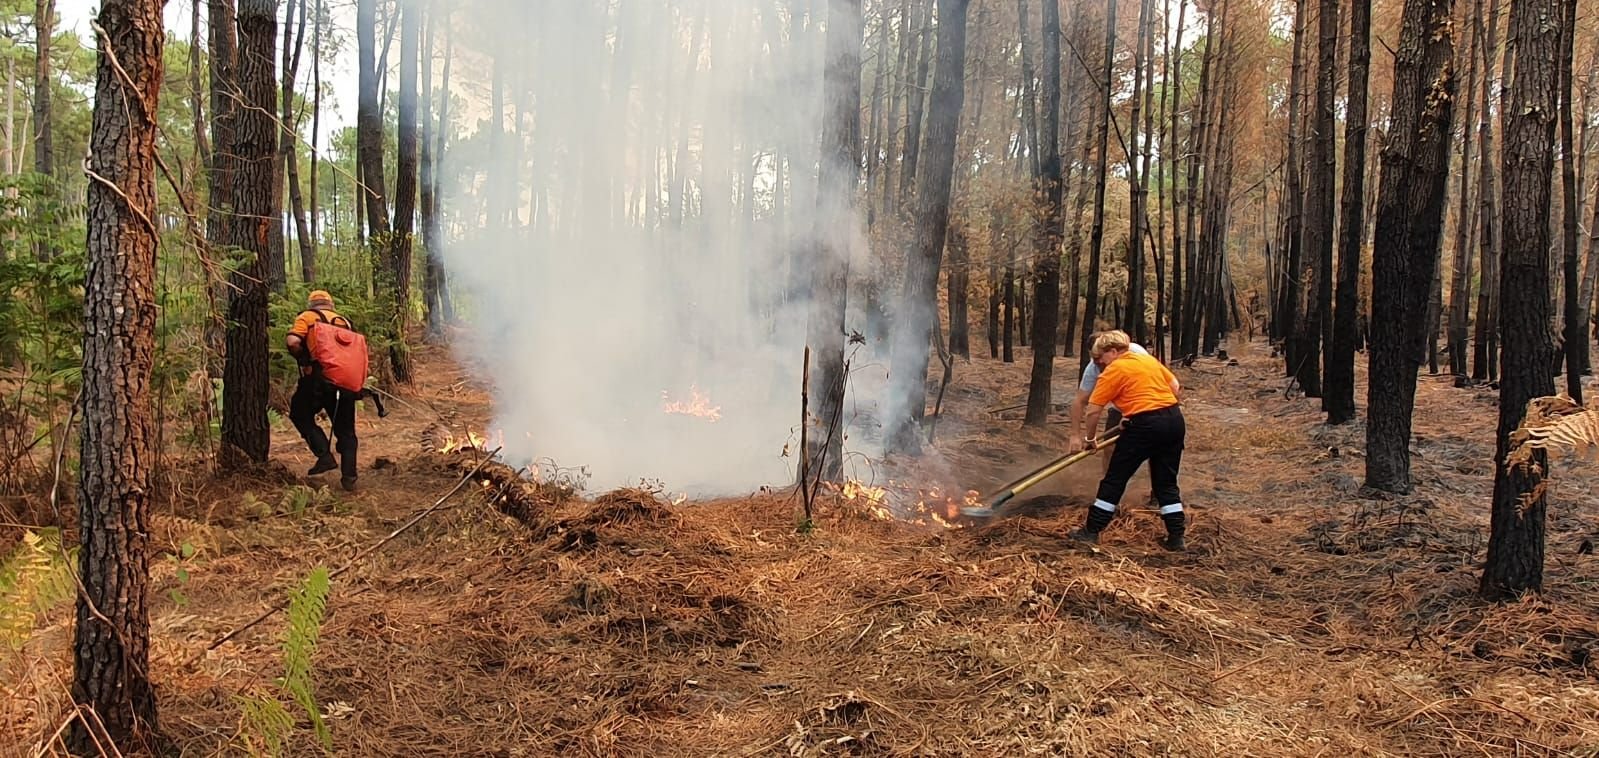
(1147, 395)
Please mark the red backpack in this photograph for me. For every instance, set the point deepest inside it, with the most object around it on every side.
(339, 350)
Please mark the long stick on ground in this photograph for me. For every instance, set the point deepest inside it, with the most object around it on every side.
(358, 556)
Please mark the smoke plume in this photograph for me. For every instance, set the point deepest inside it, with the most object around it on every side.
(633, 242)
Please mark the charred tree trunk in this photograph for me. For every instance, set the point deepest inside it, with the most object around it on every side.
(836, 226)
(1485, 354)
(1096, 235)
(1133, 320)
(1460, 285)
(369, 155)
(1576, 332)
(915, 99)
(1046, 300)
(252, 228)
(918, 306)
(1410, 205)
(1340, 394)
(111, 645)
(1316, 270)
(1516, 538)
(1294, 194)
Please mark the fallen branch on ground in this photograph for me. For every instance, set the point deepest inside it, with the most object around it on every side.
(358, 556)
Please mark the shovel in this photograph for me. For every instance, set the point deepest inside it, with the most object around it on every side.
(993, 502)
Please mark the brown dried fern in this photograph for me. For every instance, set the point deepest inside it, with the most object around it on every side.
(1553, 425)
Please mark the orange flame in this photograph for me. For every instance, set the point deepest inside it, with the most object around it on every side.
(697, 405)
(930, 509)
(472, 441)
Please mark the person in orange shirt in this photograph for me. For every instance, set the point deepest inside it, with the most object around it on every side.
(1147, 394)
(316, 394)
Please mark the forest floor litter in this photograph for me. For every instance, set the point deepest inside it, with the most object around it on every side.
(1306, 618)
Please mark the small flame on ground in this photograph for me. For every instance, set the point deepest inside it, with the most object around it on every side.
(931, 508)
(472, 441)
(697, 405)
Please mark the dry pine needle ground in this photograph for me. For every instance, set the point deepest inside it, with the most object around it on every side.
(1304, 620)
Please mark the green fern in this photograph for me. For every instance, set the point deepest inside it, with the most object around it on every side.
(267, 724)
(33, 579)
(299, 645)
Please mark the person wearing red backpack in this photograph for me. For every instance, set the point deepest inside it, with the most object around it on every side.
(331, 354)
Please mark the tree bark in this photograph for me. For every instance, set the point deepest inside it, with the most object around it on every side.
(404, 194)
(1096, 234)
(1485, 354)
(1137, 188)
(1315, 272)
(252, 228)
(293, 46)
(43, 123)
(1294, 195)
(1514, 564)
(433, 273)
(836, 226)
(919, 295)
(1340, 389)
(1460, 285)
(1410, 205)
(111, 643)
(1046, 299)
(916, 97)
(1576, 331)
(224, 82)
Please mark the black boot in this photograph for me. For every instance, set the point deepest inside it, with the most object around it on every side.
(324, 463)
(1176, 524)
(1098, 519)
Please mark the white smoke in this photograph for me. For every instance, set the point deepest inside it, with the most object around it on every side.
(589, 305)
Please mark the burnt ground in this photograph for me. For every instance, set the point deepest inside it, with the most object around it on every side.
(1307, 617)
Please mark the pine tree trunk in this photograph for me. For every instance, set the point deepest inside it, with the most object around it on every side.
(915, 98)
(902, 86)
(836, 227)
(220, 22)
(293, 45)
(314, 221)
(1410, 207)
(1029, 89)
(1096, 234)
(111, 643)
(252, 227)
(994, 297)
(1174, 56)
(918, 299)
(1576, 332)
(1340, 388)
(1516, 527)
(1315, 271)
(1292, 241)
(1009, 297)
(1460, 285)
(1133, 322)
(43, 123)
(433, 272)
(1485, 354)
(1046, 300)
(404, 194)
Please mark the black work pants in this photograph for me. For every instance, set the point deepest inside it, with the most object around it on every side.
(1157, 437)
(314, 394)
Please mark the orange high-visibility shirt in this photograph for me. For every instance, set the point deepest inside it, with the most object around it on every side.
(1136, 384)
(303, 322)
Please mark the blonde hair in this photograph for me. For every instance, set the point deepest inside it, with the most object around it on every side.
(1114, 339)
